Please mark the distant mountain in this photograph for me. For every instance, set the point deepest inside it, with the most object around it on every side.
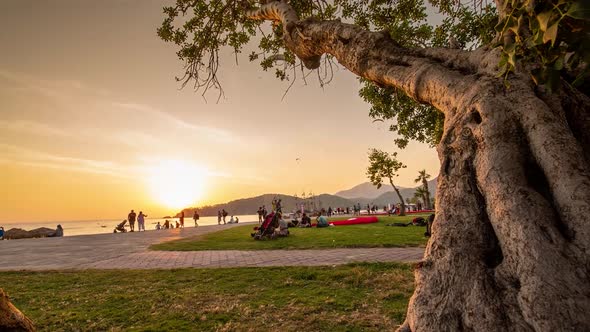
(250, 205)
(364, 194)
(364, 190)
(386, 197)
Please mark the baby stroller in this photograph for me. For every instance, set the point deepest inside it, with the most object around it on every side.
(267, 229)
(120, 227)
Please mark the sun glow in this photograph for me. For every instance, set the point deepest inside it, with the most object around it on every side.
(177, 184)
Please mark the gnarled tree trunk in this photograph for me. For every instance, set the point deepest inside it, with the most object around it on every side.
(11, 319)
(510, 249)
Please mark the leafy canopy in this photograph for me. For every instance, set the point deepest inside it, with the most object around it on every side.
(550, 39)
(383, 165)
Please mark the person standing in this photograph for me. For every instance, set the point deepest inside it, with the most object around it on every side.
(260, 215)
(223, 214)
(181, 219)
(1, 233)
(131, 219)
(141, 221)
(196, 218)
(218, 217)
(279, 206)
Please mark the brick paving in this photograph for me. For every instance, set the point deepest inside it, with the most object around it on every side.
(130, 251)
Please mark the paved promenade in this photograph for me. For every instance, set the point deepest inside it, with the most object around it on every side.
(130, 251)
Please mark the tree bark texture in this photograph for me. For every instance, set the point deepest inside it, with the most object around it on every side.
(510, 249)
(11, 319)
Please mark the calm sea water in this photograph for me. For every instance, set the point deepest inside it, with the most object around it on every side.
(81, 227)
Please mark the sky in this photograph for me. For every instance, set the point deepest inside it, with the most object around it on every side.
(93, 123)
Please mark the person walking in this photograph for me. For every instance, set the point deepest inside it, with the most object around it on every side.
(141, 221)
(196, 218)
(131, 219)
(181, 219)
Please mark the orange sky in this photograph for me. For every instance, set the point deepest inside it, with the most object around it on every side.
(92, 122)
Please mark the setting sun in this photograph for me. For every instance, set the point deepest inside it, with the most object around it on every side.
(176, 184)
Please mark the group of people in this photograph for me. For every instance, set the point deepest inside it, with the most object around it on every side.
(222, 214)
(131, 218)
(168, 224)
(262, 213)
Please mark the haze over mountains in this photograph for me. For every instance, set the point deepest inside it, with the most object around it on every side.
(364, 193)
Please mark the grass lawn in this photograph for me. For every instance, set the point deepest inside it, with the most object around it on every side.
(356, 297)
(352, 236)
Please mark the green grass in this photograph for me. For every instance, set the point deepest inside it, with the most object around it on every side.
(356, 297)
(352, 236)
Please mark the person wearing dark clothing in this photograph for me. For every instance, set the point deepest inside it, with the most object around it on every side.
(223, 214)
(181, 219)
(305, 221)
(279, 206)
(131, 218)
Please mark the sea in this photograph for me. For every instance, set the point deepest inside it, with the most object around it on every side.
(103, 226)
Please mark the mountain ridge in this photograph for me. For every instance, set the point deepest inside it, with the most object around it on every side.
(249, 205)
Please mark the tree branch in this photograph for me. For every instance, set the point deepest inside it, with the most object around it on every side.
(277, 11)
(438, 77)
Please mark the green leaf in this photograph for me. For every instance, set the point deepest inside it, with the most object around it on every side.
(544, 19)
(551, 34)
(512, 59)
(578, 10)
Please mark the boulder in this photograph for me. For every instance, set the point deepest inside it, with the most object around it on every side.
(42, 232)
(16, 233)
(19, 233)
(11, 319)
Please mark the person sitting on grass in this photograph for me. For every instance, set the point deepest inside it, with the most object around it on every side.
(305, 221)
(322, 221)
(283, 226)
(294, 222)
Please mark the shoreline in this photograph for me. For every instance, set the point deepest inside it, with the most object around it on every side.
(104, 226)
(126, 233)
